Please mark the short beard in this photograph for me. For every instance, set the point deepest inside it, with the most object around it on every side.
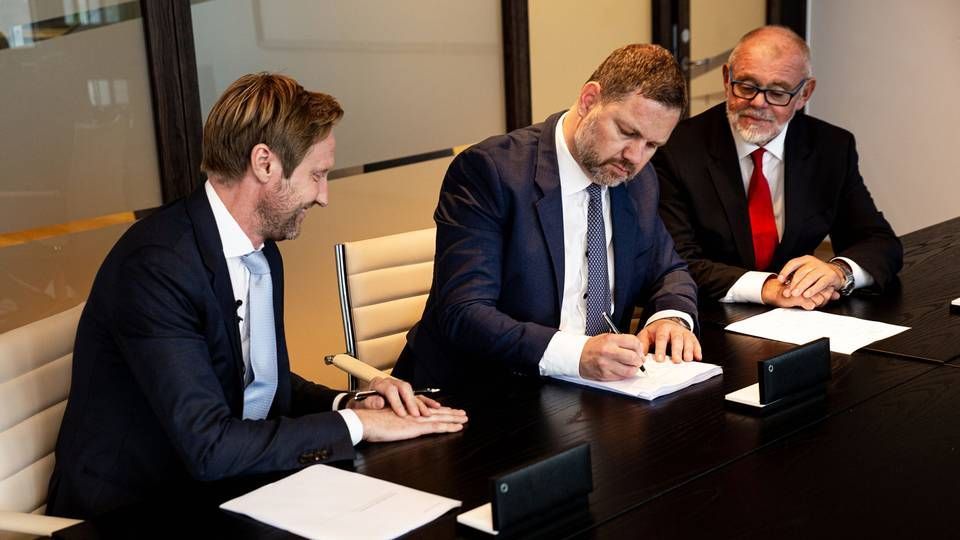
(755, 135)
(590, 160)
(275, 221)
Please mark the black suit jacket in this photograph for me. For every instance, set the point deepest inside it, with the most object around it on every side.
(498, 277)
(704, 205)
(157, 393)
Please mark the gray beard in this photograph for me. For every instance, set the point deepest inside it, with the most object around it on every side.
(754, 135)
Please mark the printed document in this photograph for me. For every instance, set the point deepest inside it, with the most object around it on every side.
(846, 334)
(326, 502)
(661, 378)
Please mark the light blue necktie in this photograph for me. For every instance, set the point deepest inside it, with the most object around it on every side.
(598, 281)
(258, 395)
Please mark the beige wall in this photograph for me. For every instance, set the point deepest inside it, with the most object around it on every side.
(569, 39)
(364, 206)
(714, 28)
(888, 71)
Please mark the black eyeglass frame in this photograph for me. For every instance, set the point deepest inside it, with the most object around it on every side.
(761, 90)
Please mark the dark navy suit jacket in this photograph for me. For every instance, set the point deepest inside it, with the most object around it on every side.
(498, 277)
(704, 205)
(157, 393)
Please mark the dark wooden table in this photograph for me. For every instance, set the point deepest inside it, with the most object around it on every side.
(640, 449)
(875, 456)
(930, 279)
(887, 468)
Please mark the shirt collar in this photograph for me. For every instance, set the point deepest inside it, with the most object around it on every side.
(235, 242)
(572, 177)
(774, 147)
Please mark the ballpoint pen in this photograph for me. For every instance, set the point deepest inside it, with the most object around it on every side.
(360, 396)
(615, 330)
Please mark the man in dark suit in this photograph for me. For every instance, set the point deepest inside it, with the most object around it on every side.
(180, 370)
(543, 230)
(750, 188)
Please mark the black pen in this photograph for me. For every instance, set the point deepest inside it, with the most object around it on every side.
(360, 396)
(615, 330)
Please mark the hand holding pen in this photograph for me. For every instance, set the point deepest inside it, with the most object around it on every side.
(615, 330)
(611, 356)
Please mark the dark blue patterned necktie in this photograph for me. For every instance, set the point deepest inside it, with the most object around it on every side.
(598, 284)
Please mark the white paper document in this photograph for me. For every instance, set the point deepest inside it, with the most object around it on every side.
(661, 378)
(846, 334)
(326, 502)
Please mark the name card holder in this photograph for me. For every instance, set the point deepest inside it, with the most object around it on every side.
(787, 379)
(536, 496)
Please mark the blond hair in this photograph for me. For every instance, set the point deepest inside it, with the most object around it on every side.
(265, 108)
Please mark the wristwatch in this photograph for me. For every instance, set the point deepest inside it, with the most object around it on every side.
(680, 321)
(847, 286)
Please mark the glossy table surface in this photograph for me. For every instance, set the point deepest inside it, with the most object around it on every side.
(920, 299)
(878, 443)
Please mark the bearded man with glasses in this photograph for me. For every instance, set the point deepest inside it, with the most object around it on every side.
(750, 188)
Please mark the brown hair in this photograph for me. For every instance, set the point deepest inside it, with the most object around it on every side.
(649, 70)
(265, 108)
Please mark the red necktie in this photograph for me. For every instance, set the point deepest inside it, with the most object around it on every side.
(762, 224)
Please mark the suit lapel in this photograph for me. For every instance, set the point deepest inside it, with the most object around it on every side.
(798, 170)
(623, 218)
(550, 205)
(728, 181)
(211, 251)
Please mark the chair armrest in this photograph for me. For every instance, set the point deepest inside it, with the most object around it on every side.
(354, 367)
(23, 522)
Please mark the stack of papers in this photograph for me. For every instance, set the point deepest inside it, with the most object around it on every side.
(846, 334)
(661, 378)
(325, 502)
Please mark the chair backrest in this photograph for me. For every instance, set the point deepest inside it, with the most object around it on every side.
(384, 283)
(35, 367)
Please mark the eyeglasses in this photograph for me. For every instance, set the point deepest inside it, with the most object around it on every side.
(779, 98)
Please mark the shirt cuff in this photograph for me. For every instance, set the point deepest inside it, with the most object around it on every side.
(354, 425)
(749, 288)
(671, 313)
(861, 278)
(338, 399)
(562, 356)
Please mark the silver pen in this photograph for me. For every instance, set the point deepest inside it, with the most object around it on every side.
(360, 396)
(615, 330)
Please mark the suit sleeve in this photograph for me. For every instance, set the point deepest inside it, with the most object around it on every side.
(713, 278)
(472, 218)
(860, 232)
(673, 287)
(159, 330)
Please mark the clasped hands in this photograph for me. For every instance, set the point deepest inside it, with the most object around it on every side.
(612, 357)
(805, 282)
(396, 413)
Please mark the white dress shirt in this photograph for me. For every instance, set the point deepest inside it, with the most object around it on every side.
(236, 244)
(562, 355)
(750, 285)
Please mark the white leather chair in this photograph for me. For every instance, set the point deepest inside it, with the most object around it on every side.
(384, 283)
(35, 367)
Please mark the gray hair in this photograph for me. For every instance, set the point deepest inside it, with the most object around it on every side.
(779, 32)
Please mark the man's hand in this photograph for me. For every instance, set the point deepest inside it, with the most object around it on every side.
(611, 357)
(684, 346)
(399, 396)
(384, 425)
(774, 293)
(808, 276)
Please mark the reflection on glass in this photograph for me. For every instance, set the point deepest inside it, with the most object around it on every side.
(78, 143)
